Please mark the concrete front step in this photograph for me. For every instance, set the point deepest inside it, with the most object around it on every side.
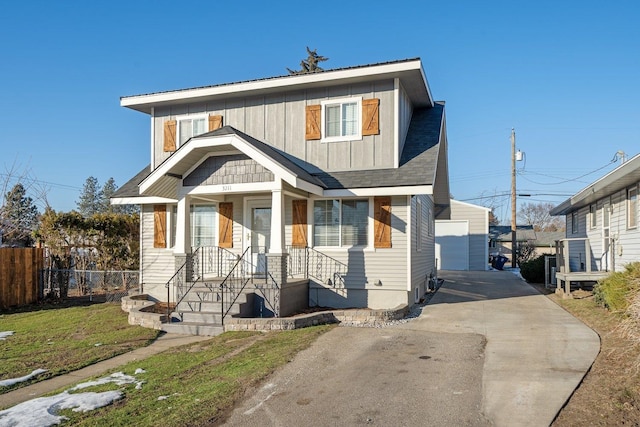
(204, 317)
(193, 328)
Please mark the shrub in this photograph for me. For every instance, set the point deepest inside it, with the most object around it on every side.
(615, 291)
(533, 270)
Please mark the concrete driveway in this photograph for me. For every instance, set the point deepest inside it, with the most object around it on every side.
(487, 350)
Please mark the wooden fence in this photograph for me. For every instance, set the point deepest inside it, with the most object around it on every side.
(20, 275)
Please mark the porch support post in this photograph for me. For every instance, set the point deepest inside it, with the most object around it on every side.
(182, 248)
(277, 258)
(183, 227)
(277, 222)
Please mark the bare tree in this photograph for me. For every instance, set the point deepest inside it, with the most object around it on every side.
(537, 214)
(19, 187)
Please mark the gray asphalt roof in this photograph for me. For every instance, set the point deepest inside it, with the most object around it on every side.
(417, 163)
(277, 77)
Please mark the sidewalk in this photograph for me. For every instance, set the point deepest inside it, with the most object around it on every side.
(41, 388)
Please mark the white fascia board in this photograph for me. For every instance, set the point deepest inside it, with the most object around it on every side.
(471, 205)
(250, 187)
(141, 200)
(178, 156)
(274, 83)
(379, 191)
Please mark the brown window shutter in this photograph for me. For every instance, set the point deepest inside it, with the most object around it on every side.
(225, 235)
(170, 135)
(299, 224)
(159, 226)
(382, 222)
(215, 122)
(370, 117)
(312, 128)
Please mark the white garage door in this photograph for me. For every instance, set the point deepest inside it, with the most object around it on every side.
(452, 245)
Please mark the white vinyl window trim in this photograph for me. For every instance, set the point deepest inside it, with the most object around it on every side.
(341, 223)
(632, 207)
(203, 225)
(593, 216)
(341, 119)
(190, 126)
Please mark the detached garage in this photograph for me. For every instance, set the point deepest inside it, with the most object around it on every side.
(462, 241)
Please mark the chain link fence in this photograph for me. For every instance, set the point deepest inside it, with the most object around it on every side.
(110, 285)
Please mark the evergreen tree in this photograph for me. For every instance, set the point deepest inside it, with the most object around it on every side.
(108, 190)
(90, 202)
(18, 217)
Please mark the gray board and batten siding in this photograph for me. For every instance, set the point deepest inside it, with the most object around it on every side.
(278, 120)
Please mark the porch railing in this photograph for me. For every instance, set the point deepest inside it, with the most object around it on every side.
(576, 255)
(227, 276)
(310, 263)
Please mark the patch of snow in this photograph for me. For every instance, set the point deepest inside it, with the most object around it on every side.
(163, 397)
(43, 411)
(117, 378)
(12, 381)
(139, 371)
(5, 334)
(98, 344)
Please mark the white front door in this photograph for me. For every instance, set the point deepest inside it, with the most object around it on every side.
(259, 235)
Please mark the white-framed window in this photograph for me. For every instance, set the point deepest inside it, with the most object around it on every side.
(340, 222)
(574, 222)
(419, 225)
(593, 217)
(341, 119)
(632, 207)
(190, 126)
(203, 225)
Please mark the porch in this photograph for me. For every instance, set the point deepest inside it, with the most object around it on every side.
(214, 285)
(577, 263)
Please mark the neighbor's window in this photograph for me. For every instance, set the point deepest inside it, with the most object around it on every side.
(574, 222)
(593, 217)
(203, 225)
(190, 127)
(632, 207)
(341, 119)
(340, 222)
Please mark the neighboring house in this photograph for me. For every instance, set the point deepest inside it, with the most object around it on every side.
(602, 226)
(461, 242)
(333, 177)
(500, 238)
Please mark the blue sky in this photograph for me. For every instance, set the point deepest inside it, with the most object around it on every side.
(565, 75)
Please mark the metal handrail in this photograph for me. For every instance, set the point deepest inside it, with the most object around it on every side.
(177, 277)
(317, 265)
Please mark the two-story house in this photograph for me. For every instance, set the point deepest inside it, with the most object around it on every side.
(602, 233)
(331, 179)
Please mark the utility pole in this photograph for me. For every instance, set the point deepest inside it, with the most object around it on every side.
(513, 198)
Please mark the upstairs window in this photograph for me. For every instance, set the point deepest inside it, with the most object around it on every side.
(346, 119)
(341, 119)
(190, 127)
(177, 132)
